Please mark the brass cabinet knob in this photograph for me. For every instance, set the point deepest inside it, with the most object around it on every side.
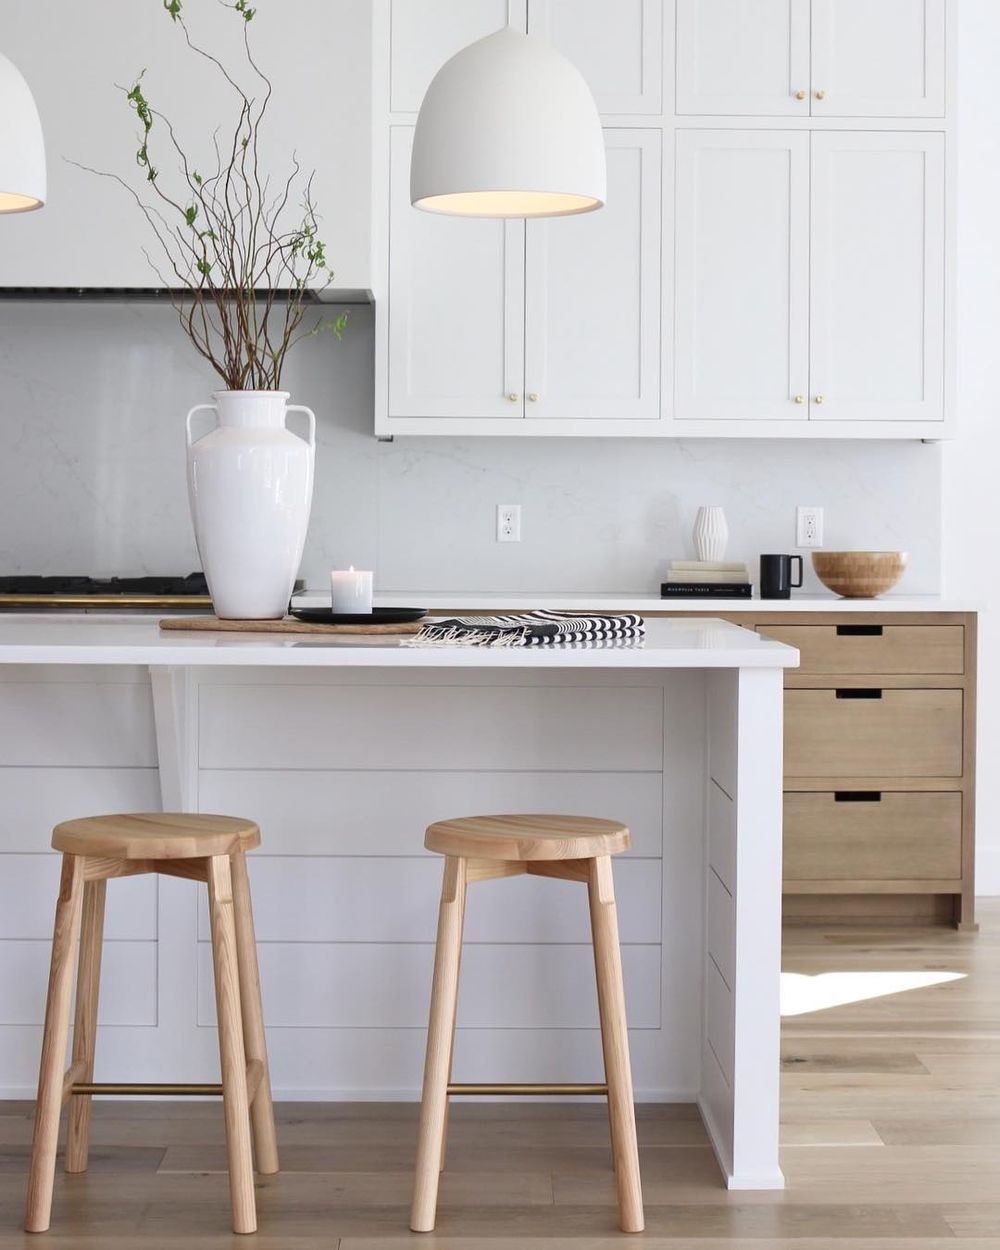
(800, 399)
(513, 397)
(819, 400)
(820, 95)
(533, 397)
(800, 95)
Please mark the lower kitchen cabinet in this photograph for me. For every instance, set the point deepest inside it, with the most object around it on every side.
(880, 763)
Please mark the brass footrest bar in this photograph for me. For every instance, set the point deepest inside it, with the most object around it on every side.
(519, 1088)
(144, 1088)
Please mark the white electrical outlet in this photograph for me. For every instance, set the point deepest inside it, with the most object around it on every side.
(808, 526)
(508, 522)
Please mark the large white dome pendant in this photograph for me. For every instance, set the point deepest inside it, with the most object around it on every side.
(508, 128)
(22, 148)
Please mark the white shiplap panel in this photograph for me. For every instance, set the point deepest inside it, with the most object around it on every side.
(29, 886)
(77, 723)
(128, 983)
(35, 799)
(722, 835)
(305, 899)
(722, 745)
(338, 813)
(397, 727)
(719, 1019)
(360, 985)
(721, 925)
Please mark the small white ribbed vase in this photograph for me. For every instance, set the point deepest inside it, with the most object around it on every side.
(711, 533)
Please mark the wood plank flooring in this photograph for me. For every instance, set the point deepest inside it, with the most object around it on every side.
(890, 1131)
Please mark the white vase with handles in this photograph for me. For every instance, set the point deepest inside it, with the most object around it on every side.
(250, 484)
(711, 533)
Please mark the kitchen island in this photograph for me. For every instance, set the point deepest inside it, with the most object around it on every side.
(320, 738)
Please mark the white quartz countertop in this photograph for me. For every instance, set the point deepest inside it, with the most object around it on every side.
(77, 638)
(513, 601)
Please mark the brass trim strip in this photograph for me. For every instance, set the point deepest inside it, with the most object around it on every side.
(136, 1088)
(107, 601)
(520, 1088)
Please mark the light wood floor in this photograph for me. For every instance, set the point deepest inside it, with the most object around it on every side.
(891, 1131)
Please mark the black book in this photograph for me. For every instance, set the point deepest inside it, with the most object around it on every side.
(705, 590)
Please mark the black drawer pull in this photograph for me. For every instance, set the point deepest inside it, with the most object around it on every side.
(857, 796)
(859, 631)
(862, 692)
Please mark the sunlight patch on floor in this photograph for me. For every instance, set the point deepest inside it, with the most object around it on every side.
(801, 993)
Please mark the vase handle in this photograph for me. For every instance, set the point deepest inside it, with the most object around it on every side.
(187, 419)
(311, 440)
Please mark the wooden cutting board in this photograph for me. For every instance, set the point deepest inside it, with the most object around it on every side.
(290, 625)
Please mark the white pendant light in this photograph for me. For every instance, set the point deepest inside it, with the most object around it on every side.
(508, 128)
(22, 148)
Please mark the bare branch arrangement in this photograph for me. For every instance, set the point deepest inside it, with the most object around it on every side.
(247, 258)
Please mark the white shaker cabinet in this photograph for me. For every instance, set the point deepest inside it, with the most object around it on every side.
(90, 234)
(818, 58)
(739, 57)
(878, 58)
(742, 275)
(455, 308)
(492, 321)
(877, 333)
(592, 300)
(617, 47)
(810, 281)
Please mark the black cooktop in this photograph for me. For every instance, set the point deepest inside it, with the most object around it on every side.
(27, 584)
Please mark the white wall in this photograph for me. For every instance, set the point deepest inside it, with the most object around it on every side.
(969, 465)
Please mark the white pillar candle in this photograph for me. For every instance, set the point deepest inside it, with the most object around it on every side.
(351, 591)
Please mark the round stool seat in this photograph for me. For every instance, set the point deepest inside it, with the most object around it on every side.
(156, 835)
(527, 838)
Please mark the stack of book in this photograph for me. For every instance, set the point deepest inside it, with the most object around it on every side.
(706, 579)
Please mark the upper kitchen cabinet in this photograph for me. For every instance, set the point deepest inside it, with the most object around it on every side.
(877, 325)
(617, 47)
(513, 327)
(824, 58)
(90, 234)
(735, 57)
(742, 276)
(810, 289)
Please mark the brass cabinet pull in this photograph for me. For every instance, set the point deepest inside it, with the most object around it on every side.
(800, 399)
(513, 397)
(533, 397)
(820, 95)
(819, 400)
(800, 95)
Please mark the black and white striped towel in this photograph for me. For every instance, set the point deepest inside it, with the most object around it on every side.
(528, 629)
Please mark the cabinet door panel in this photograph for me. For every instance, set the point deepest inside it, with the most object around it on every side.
(456, 307)
(617, 47)
(877, 261)
(742, 257)
(878, 58)
(740, 58)
(426, 33)
(592, 315)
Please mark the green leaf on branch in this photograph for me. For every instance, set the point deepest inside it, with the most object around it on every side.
(173, 7)
(190, 213)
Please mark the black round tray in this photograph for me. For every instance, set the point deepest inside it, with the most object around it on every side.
(377, 616)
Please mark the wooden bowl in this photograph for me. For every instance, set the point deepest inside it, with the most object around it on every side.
(859, 574)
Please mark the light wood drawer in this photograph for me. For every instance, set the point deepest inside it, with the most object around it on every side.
(849, 837)
(888, 649)
(873, 733)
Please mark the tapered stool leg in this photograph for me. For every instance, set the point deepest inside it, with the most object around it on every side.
(261, 1108)
(231, 1051)
(451, 1056)
(88, 982)
(53, 1065)
(614, 1039)
(440, 1039)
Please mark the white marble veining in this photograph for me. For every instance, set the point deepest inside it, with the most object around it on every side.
(92, 475)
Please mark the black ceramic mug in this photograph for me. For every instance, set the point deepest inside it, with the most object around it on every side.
(776, 576)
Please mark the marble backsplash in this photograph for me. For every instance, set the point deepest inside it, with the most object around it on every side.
(92, 474)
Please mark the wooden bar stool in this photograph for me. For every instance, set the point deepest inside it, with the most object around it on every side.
(478, 848)
(201, 848)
